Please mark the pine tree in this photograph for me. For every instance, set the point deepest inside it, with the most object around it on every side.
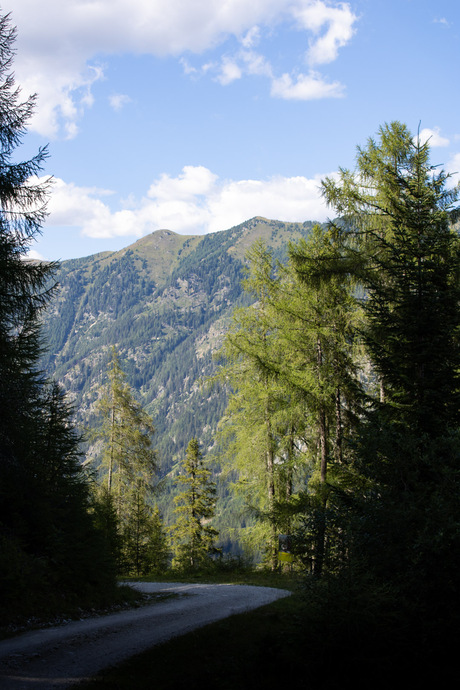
(128, 465)
(25, 286)
(193, 536)
(158, 544)
(126, 430)
(48, 539)
(395, 208)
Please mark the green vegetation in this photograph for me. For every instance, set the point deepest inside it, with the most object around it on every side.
(176, 301)
(338, 422)
(405, 529)
(345, 375)
(352, 351)
(126, 475)
(128, 459)
(51, 553)
(193, 535)
(164, 304)
(320, 636)
(255, 429)
(290, 360)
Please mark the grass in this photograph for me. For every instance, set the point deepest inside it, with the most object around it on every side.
(250, 650)
(324, 636)
(313, 639)
(221, 575)
(47, 612)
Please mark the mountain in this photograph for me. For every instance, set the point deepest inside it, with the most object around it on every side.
(164, 302)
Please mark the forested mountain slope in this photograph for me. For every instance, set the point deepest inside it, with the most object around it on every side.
(164, 303)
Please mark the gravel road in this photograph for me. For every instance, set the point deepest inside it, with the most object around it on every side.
(63, 656)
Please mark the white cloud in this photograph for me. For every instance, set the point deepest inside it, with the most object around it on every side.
(453, 167)
(194, 202)
(256, 64)
(72, 205)
(434, 137)
(64, 93)
(34, 255)
(443, 21)
(244, 62)
(305, 87)
(60, 59)
(187, 67)
(281, 198)
(229, 71)
(119, 100)
(252, 37)
(194, 181)
(338, 20)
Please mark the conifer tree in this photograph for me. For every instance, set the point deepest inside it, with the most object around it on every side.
(395, 208)
(26, 286)
(48, 540)
(259, 425)
(128, 465)
(126, 430)
(193, 535)
(316, 319)
(158, 553)
(290, 361)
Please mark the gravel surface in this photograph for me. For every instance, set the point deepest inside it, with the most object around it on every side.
(68, 654)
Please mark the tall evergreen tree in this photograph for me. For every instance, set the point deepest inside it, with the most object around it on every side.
(193, 535)
(46, 531)
(128, 465)
(396, 206)
(25, 285)
(128, 457)
(395, 209)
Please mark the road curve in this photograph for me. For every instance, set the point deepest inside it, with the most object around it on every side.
(68, 654)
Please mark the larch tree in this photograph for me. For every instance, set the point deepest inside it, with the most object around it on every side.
(257, 425)
(316, 319)
(126, 430)
(290, 362)
(128, 465)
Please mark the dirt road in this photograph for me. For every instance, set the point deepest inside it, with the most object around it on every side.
(63, 656)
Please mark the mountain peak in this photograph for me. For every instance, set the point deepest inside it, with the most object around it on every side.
(164, 302)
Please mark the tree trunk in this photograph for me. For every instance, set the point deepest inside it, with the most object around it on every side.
(322, 424)
(270, 467)
(109, 479)
(338, 427)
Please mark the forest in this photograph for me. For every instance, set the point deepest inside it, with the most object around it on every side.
(336, 421)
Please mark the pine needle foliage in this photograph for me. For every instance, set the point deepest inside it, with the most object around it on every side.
(129, 463)
(49, 543)
(397, 209)
(193, 535)
(126, 431)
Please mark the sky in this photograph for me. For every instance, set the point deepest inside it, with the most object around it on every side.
(196, 115)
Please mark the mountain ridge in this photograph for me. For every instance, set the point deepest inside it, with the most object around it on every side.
(164, 302)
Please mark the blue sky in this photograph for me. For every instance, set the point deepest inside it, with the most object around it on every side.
(197, 115)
